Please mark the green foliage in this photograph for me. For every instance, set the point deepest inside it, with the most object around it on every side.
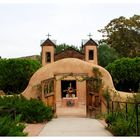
(36, 111)
(120, 122)
(121, 128)
(62, 47)
(95, 82)
(31, 111)
(120, 125)
(106, 54)
(125, 73)
(110, 118)
(15, 74)
(106, 95)
(123, 35)
(10, 127)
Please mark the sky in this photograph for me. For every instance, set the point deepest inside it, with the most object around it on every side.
(24, 25)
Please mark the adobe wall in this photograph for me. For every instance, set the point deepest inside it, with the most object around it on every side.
(71, 65)
(68, 65)
(79, 107)
(94, 48)
(47, 49)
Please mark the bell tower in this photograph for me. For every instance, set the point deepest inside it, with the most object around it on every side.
(47, 51)
(90, 51)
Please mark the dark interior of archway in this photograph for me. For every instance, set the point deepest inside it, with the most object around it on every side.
(65, 84)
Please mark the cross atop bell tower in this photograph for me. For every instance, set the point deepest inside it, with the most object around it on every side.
(48, 35)
(48, 50)
(90, 50)
(89, 35)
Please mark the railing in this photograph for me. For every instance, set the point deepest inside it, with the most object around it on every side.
(128, 109)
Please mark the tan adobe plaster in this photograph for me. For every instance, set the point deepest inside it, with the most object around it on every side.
(75, 66)
(68, 65)
(45, 49)
(94, 48)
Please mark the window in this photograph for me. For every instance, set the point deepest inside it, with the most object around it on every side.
(68, 88)
(91, 54)
(48, 57)
(49, 87)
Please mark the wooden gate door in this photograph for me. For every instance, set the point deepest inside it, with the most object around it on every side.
(93, 100)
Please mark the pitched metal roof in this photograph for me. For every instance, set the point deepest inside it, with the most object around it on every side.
(48, 42)
(90, 41)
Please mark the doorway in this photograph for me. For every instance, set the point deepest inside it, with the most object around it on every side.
(93, 100)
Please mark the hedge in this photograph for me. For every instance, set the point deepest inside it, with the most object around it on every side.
(15, 74)
(31, 111)
(10, 127)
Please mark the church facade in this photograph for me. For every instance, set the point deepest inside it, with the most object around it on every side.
(89, 52)
(62, 80)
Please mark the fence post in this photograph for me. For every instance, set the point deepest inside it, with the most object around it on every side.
(108, 107)
(118, 106)
(126, 110)
(137, 120)
(112, 107)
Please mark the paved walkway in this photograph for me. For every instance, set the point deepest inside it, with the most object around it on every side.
(74, 127)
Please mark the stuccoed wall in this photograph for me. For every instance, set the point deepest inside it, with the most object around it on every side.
(71, 65)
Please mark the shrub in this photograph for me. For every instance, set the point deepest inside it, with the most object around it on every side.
(10, 127)
(110, 118)
(122, 124)
(32, 110)
(121, 127)
(15, 74)
(36, 111)
(125, 73)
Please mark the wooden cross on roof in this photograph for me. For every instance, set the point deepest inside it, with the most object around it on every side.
(89, 35)
(48, 35)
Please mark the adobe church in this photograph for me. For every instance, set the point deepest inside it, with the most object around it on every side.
(61, 81)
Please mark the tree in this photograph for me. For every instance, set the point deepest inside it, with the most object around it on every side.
(64, 46)
(125, 73)
(124, 35)
(106, 54)
(15, 74)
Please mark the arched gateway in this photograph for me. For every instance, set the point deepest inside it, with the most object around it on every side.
(51, 82)
(63, 81)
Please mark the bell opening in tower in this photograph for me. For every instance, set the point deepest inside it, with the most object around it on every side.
(91, 54)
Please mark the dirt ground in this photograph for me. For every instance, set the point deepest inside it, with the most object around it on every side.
(34, 129)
